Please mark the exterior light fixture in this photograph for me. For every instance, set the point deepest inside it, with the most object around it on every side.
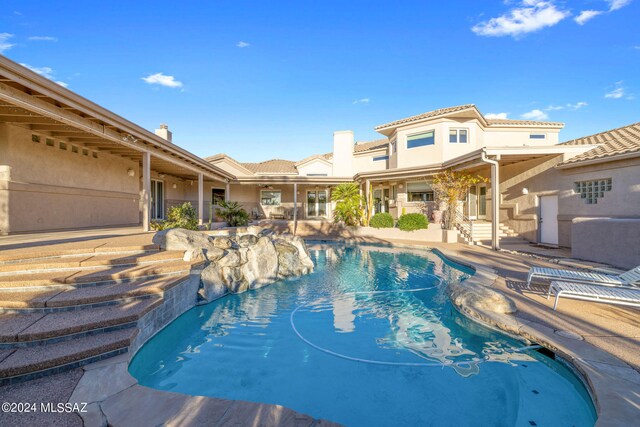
(174, 186)
(161, 175)
(525, 190)
(131, 172)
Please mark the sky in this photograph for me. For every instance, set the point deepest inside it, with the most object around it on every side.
(259, 80)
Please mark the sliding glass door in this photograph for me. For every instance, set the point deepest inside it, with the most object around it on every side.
(157, 199)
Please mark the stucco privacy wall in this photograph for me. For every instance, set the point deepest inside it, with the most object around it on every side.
(609, 240)
(541, 178)
(48, 187)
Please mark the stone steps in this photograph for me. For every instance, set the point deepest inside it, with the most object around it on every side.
(38, 328)
(73, 298)
(26, 254)
(79, 278)
(88, 261)
(30, 362)
(60, 309)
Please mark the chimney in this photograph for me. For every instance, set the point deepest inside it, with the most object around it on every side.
(343, 146)
(164, 132)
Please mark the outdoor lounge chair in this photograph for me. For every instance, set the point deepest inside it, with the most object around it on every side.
(628, 278)
(622, 295)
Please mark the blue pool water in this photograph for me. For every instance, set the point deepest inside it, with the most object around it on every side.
(368, 339)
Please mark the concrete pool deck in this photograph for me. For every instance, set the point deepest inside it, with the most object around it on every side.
(602, 340)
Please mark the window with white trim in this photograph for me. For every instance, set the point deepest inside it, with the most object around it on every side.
(420, 191)
(593, 190)
(458, 136)
(270, 197)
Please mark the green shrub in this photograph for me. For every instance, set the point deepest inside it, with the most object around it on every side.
(233, 213)
(381, 220)
(181, 216)
(157, 225)
(412, 221)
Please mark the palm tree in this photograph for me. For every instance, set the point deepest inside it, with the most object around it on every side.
(348, 203)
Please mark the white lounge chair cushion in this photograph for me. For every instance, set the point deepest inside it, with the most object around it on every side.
(575, 275)
(611, 293)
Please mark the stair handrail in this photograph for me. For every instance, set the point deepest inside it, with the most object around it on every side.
(464, 224)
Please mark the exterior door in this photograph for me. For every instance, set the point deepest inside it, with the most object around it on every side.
(549, 219)
(157, 199)
(316, 203)
(482, 201)
(472, 202)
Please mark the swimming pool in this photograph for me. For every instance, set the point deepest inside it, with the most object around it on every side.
(368, 339)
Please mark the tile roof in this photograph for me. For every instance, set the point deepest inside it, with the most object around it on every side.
(326, 156)
(371, 145)
(613, 143)
(510, 122)
(428, 114)
(272, 166)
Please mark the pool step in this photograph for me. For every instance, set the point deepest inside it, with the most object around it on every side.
(108, 293)
(79, 278)
(24, 363)
(39, 328)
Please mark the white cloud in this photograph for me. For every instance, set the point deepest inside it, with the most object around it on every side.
(577, 105)
(42, 39)
(45, 72)
(4, 42)
(554, 107)
(587, 15)
(535, 115)
(617, 4)
(242, 44)
(636, 47)
(361, 101)
(529, 16)
(492, 116)
(162, 80)
(618, 92)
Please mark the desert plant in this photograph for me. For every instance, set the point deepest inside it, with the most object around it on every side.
(412, 221)
(450, 187)
(348, 204)
(157, 225)
(368, 207)
(182, 216)
(233, 213)
(381, 220)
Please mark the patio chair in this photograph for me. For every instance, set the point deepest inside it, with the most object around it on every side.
(628, 278)
(621, 295)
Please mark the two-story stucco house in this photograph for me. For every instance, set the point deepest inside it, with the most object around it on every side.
(66, 162)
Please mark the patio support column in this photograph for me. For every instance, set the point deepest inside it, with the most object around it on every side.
(200, 198)
(146, 190)
(495, 200)
(295, 207)
(366, 196)
(227, 190)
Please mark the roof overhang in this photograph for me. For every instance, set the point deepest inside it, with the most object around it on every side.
(330, 180)
(33, 101)
(600, 160)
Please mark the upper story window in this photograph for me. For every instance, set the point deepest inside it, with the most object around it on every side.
(270, 197)
(380, 158)
(316, 174)
(458, 136)
(421, 139)
(537, 136)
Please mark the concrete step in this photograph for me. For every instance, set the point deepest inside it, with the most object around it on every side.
(71, 298)
(89, 261)
(79, 278)
(25, 254)
(45, 359)
(21, 329)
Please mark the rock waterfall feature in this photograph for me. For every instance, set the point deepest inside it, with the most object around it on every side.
(239, 259)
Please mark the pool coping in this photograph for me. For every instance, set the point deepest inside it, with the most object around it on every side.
(115, 397)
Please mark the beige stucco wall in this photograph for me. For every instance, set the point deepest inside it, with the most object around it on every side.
(45, 188)
(365, 163)
(541, 178)
(317, 167)
(610, 240)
